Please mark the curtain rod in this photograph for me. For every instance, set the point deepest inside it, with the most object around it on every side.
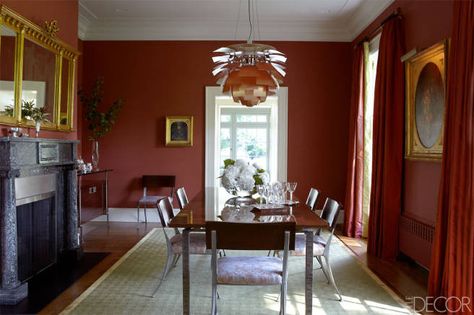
(397, 13)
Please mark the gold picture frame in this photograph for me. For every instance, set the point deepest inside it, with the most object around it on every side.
(425, 75)
(179, 131)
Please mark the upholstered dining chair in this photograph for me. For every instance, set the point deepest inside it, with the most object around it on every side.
(182, 197)
(197, 240)
(321, 246)
(154, 182)
(312, 198)
(250, 270)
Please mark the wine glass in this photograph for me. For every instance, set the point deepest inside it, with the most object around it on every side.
(261, 192)
(285, 190)
(291, 186)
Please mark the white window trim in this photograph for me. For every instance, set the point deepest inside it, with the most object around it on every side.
(279, 122)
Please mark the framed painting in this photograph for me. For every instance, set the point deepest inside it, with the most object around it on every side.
(426, 103)
(179, 131)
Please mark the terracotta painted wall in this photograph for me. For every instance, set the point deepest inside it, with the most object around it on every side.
(159, 78)
(426, 23)
(66, 13)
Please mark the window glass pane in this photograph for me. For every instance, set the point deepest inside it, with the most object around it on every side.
(251, 118)
(225, 144)
(252, 145)
(225, 118)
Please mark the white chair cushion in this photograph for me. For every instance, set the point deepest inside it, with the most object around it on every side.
(259, 270)
(300, 245)
(197, 243)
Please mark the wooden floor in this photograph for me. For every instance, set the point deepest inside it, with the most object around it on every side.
(405, 278)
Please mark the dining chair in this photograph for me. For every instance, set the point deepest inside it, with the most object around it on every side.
(174, 243)
(250, 270)
(312, 198)
(182, 197)
(154, 182)
(321, 246)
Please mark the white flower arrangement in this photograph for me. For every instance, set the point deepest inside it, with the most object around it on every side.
(240, 175)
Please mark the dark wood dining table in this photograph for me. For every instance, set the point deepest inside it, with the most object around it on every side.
(205, 207)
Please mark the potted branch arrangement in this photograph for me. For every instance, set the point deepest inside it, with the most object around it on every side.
(29, 111)
(99, 123)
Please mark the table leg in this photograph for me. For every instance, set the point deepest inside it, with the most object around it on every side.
(309, 272)
(186, 288)
(106, 199)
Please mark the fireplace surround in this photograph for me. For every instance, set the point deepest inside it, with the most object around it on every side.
(38, 210)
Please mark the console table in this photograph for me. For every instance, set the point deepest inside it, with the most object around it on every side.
(105, 173)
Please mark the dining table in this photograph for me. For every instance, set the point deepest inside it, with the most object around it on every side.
(206, 207)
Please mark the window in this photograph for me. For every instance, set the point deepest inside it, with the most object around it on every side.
(371, 53)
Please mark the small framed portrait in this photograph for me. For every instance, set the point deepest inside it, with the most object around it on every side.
(179, 131)
(426, 103)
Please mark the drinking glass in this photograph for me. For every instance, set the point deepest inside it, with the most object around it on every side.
(261, 191)
(284, 186)
(291, 186)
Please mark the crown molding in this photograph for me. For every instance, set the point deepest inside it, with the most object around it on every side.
(342, 30)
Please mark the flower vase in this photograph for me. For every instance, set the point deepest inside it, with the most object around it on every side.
(95, 154)
(37, 128)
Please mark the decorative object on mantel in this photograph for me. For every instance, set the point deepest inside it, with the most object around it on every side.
(179, 131)
(30, 112)
(249, 71)
(240, 177)
(99, 123)
(425, 103)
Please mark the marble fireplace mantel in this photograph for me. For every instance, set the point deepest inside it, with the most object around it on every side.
(24, 163)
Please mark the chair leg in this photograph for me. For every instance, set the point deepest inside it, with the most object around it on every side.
(331, 277)
(175, 260)
(138, 213)
(164, 273)
(144, 211)
(318, 258)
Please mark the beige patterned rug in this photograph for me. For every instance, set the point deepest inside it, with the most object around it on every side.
(126, 287)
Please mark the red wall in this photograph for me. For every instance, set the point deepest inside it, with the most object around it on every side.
(426, 23)
(66, 13)
(159, 78)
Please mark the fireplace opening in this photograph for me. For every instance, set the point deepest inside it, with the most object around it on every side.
(36, 224)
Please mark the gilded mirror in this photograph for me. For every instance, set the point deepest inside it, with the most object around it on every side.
(7, 75)
(37, 71)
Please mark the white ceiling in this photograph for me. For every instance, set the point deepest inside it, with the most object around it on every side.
(288, 20)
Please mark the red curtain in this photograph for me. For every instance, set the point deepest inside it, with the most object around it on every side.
(355, 165)
(388, 134)
(452, 263)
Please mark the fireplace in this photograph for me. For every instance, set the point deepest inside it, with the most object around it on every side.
(38, 210)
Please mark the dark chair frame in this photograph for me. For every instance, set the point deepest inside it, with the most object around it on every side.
(154, 182)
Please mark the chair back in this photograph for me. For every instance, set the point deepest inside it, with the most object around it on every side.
(182, 197)
(250, 236)
(330, 212)
(312, 198)
(165, 211)
(158, 181)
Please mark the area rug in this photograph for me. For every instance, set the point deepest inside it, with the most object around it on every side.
(126, 287)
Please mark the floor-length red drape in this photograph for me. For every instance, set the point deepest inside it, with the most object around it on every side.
(388, 133)
(452, 263)
(355, 164)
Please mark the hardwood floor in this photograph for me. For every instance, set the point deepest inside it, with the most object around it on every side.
(116, 238)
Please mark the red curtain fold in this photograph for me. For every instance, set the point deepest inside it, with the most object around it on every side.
(355, 164)
(452, 263)
(388, 134)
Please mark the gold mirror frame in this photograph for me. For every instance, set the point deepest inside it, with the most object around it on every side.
(46, 38)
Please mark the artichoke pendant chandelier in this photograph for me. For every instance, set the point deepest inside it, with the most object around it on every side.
(249, 71)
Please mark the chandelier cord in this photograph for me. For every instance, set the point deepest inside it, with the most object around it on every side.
(249, 39)
(237, 21)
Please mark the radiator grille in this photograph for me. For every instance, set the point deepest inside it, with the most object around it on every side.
(422, 230)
